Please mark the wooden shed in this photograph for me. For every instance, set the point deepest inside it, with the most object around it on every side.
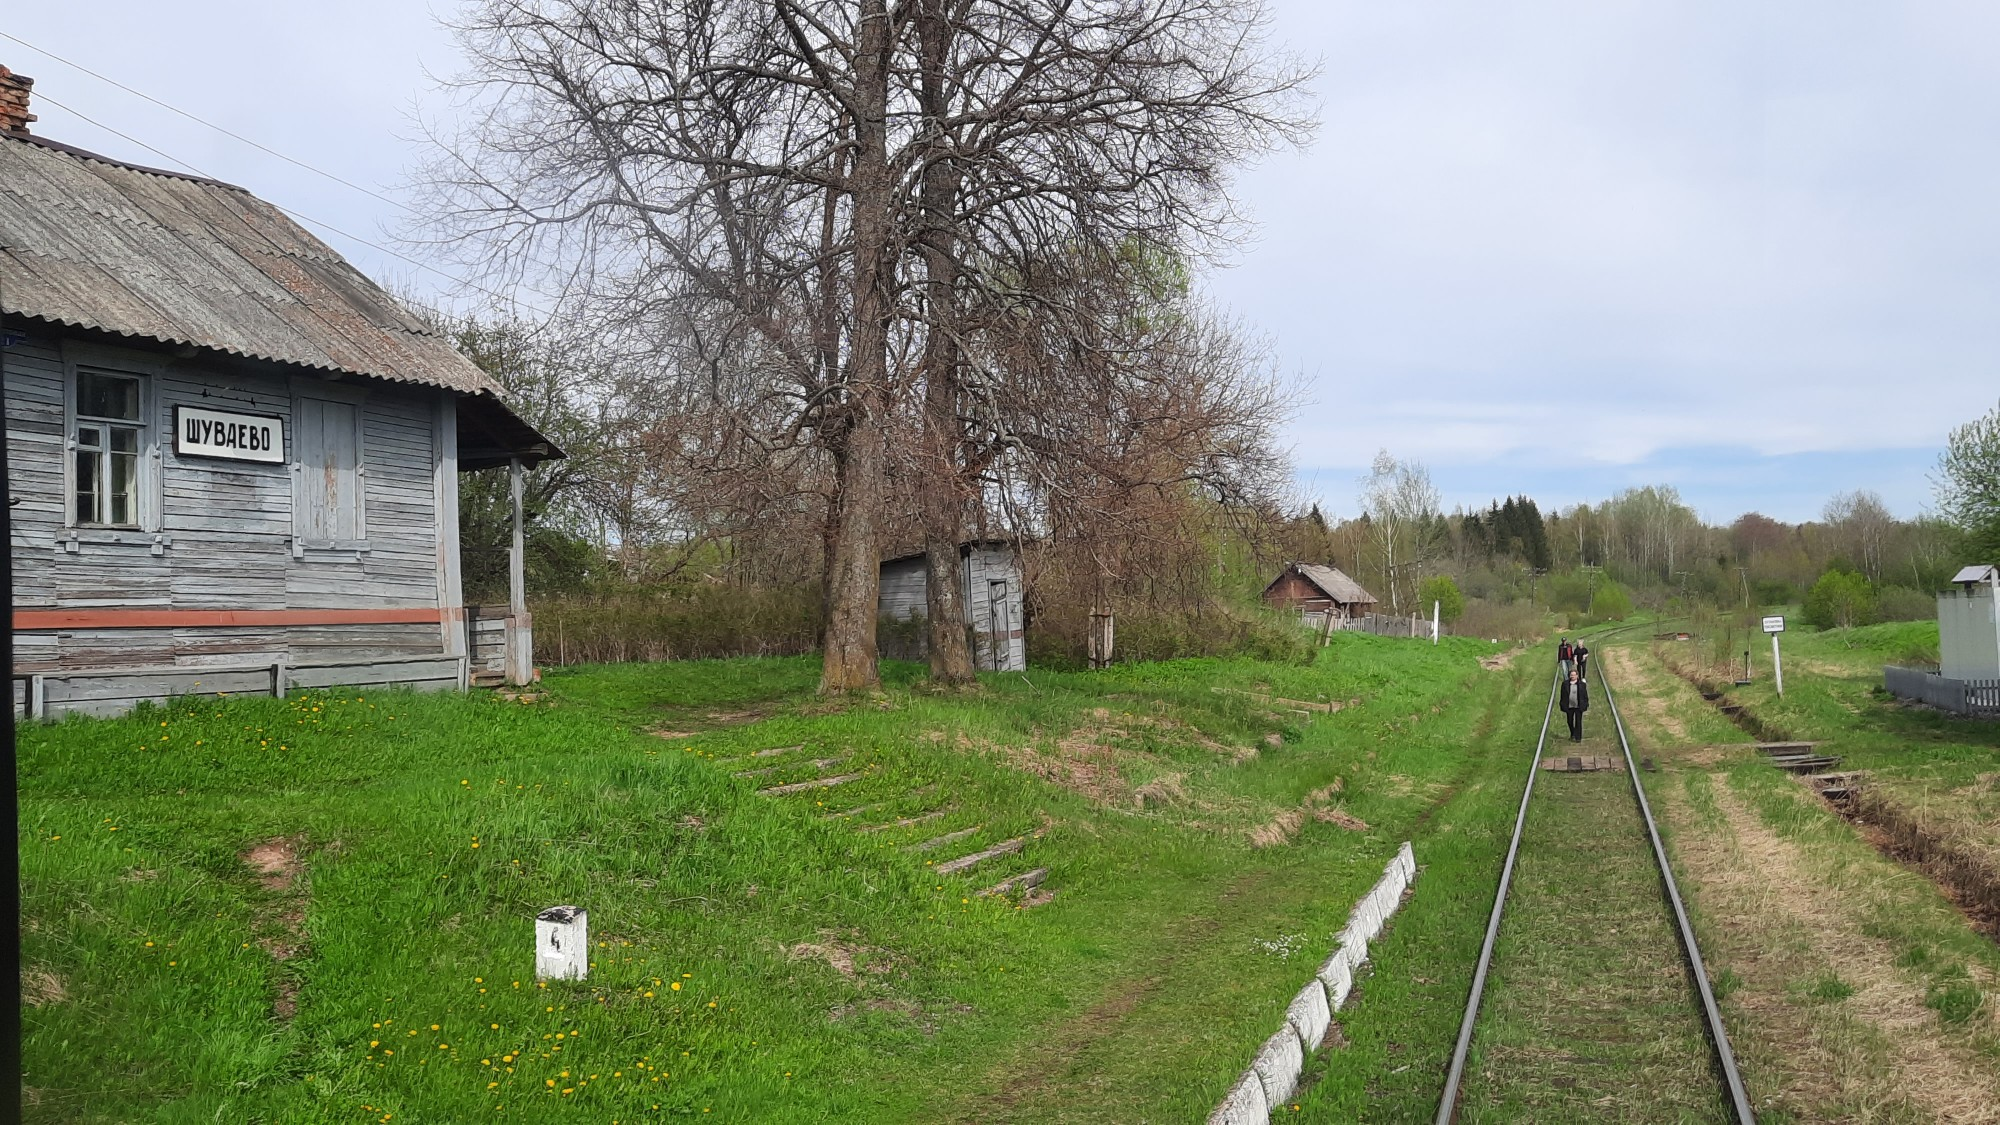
(235, 459)
(1325, 598)
(992, 596)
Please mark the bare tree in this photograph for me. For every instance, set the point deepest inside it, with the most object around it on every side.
(1860, 524)
(825, 185)
(1405, 522)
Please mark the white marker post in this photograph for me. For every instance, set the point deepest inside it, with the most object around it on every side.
(1774, 626)
(1434, 621)
(562, 943)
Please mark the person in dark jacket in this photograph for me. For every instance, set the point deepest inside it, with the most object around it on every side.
(1581, 655)
(1574, 702)
(1565, 658)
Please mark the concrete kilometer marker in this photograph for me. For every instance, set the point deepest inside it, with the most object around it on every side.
(562, 943)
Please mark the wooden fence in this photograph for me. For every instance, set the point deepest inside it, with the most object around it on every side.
(1977, 698)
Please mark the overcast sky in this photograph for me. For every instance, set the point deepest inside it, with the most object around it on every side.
(1556, 248)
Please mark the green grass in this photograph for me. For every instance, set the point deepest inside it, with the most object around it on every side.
(431, 828)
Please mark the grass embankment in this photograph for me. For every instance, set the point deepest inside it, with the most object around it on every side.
(1852, 988)
(318, 909)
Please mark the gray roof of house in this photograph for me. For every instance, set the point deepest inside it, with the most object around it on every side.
(95, 243)
(1334, 584)
(1977, 572)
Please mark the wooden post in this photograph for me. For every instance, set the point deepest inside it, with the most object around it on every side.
(520, 651)
(562, 943)
(444, 490)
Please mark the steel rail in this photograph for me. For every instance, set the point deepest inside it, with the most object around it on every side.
(1718, 1036)
(1448, 1105)
(1712, 1015)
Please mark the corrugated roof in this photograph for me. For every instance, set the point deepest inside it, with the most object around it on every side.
(94, 243)
(1334, 584)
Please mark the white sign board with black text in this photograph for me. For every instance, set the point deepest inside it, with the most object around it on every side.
(201, 432)
(1774, 624)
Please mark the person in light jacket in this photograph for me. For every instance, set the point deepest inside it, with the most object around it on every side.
(1574, 702)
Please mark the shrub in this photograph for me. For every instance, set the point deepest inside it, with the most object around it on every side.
(690, 624)
(1440, 589)
(1612, 603)
(1501, 621)
(1772, 592)
(1841, 599)
(1900, 603)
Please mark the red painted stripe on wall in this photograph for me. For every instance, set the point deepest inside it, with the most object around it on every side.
(25, 619)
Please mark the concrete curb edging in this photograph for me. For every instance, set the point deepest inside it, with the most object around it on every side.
(1274, 1073)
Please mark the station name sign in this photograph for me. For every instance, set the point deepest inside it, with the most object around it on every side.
(1774, 624)
(200, 432)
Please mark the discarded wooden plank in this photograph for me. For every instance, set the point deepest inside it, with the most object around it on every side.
(1004, 847)
(1781, 747)
(855, 811)
(1026, 880)
(822, 763)
(802, 786)
(905, 822)
(757, 773)
(777, 750)
(940, 841)
(1843, 775)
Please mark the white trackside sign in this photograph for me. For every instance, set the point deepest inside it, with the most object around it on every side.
(1774, 624)
(200, 432)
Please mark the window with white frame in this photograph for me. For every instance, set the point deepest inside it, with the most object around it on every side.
(109, 443)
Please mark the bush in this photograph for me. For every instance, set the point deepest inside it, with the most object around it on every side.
(1900, 603)
(1442, 591)
(1612, 603)
(1567, 592)
(1057, 639)
(1501, 621)
(691, 624)
(1841, 599)
(1772, 592)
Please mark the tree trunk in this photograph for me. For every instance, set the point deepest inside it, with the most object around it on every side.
(945, 497)
(854, 573)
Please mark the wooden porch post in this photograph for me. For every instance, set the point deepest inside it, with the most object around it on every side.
(520, 643)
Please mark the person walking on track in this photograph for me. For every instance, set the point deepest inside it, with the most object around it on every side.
(1575, 701)
(1581, 656)
(1565, 657)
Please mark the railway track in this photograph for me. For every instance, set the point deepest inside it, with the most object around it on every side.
(1731, 1091)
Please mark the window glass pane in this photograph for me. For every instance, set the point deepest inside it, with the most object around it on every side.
(87, 436)
(107, 396)
(124, 488)
(86, 486)
(124, 439)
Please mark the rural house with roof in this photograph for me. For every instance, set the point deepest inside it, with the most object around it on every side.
(234, 458)
(1324, 598)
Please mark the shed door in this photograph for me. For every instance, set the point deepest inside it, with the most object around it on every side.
(329, 440)
(999, 646)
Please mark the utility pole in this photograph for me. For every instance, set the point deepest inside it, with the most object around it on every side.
(1684, 589)
(1593, 571)
(1534, 573)
(1744, 573)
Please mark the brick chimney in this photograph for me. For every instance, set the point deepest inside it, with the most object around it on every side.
(14, 91)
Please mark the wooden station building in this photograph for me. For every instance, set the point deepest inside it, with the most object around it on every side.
(234, 458)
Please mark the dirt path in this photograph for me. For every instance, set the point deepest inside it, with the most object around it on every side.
(1793, 940)
(1041, 1082)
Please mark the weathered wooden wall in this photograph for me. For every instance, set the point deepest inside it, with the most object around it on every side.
(221, 535)
(999, 639)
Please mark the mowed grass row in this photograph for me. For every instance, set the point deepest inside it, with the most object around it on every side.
(756, 960)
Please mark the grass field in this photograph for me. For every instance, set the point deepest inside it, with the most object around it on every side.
(318, 909)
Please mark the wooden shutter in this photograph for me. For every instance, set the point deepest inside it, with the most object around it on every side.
(329, 441)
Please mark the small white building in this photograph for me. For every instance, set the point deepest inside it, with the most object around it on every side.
(991, 594)
(1969, 625)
